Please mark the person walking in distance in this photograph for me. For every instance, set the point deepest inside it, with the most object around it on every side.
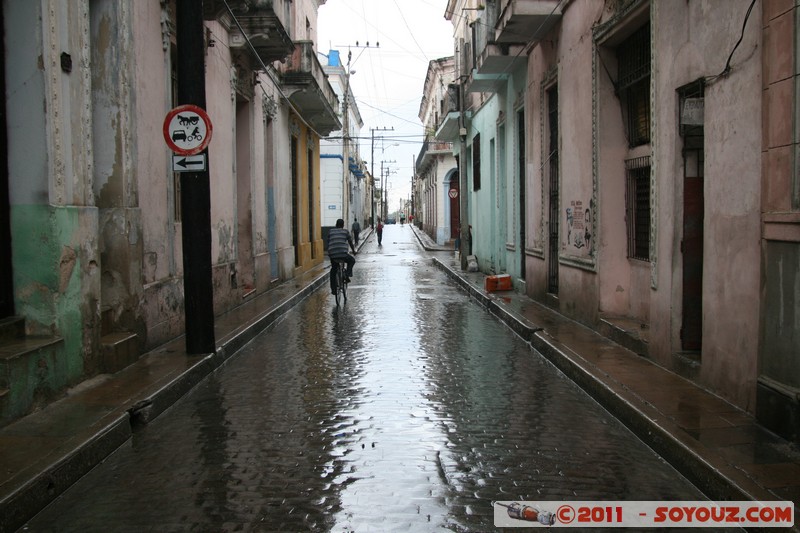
(338, 239)
(356, 229)
(379, 229)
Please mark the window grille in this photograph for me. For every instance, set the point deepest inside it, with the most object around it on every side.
(637, 207)
(633, 86)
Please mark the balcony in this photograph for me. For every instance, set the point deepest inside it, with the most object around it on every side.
(216, 9)
(261, 25)
(493, 66)
(524, 21)
(431, 149)
(447, 130)
(308, 89)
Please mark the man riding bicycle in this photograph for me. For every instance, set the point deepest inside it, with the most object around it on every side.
(338, 239)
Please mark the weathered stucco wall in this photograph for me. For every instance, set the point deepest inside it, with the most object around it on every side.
(162, 284)
(53, 222)
(683, 36)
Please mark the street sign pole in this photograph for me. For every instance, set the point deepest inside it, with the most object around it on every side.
(195, 188)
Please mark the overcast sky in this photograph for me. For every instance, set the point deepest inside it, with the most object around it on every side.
(403, 36)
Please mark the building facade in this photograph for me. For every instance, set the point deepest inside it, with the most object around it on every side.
(95, 270)
(345, 193)
(436, 177)
(778, 386)
(657, 177)
(489, 130)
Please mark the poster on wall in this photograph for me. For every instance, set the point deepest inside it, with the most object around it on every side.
(579, 228)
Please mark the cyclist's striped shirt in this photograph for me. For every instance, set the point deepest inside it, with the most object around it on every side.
(338, 240)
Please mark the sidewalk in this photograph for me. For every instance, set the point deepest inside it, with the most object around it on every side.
(717, 446)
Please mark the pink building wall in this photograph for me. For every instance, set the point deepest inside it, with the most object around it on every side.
(598, 284)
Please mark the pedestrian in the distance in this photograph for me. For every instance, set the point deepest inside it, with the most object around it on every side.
(379, 229)
(356, 229)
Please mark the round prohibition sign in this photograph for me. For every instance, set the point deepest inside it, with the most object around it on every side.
(187, 129)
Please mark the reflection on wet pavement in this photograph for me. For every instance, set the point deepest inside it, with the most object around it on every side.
(409, 409)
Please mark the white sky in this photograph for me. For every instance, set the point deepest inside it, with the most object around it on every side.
(389, 78)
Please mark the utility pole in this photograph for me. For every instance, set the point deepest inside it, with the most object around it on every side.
(372, 171)
(195, 188)
(346, 146)
(384, 193)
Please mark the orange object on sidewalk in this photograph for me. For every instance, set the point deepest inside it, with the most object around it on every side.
(500, 282)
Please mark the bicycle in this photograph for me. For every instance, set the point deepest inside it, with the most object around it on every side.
(340, 280)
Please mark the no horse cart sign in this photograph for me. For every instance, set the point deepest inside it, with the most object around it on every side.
(187, 130)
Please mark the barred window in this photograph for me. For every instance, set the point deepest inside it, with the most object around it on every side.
(633, 86)
(637, 207)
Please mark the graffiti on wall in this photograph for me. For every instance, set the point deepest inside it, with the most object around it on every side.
(579, 225)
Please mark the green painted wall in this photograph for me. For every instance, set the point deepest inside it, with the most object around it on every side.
(56, 289)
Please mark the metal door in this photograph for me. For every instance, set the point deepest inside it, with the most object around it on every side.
(692, 133)
(692, 248)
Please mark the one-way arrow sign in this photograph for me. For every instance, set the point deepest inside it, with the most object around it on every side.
(188, 163)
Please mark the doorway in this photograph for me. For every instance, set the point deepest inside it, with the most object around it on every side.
(691, 101)
(521, 185)
(553, 243)
(6, 278)
(453, 195)
(244, 197)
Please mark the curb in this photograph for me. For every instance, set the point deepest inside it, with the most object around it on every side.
(515, 323)
(22, 504)
(625, 406)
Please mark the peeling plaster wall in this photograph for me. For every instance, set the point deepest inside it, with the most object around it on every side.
(54, 226)
(689, 42)
(116, 190)
(161, 271)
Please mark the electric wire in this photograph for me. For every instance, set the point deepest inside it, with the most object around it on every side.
(727, 69)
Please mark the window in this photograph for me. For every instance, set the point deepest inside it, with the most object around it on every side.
(633, 86)
(476, 162)
(637, 207)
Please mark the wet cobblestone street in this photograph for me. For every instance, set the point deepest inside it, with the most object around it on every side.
(410, 408)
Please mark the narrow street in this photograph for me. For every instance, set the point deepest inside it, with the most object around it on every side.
(410, 408)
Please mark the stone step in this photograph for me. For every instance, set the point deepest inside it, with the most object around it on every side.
(626, 332)
(11, 328)
(118, 350)
(29, 375)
